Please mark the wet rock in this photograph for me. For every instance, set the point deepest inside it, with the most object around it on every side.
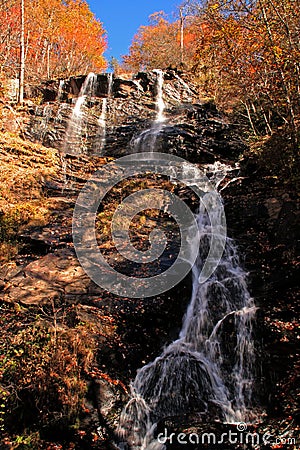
(191, 130)
(263, 215)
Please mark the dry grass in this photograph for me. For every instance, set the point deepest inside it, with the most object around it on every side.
(24, 169)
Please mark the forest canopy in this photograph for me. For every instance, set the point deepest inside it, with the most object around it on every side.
(239, 51)
(61, 38)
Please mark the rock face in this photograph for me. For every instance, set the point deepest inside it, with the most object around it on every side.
(112, 118)
(261, 214)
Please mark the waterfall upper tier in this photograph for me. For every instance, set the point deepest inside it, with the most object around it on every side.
(119, 109)
(176, 88)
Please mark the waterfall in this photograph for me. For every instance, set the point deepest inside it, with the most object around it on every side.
(101, 135)
(209, 368)
(160, 105)
(146, 140)
(76, 134)
(110, 84)
(87, 91)
(60, 90)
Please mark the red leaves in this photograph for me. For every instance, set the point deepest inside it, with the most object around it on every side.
(96, 373)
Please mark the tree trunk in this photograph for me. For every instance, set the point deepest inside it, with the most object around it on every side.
(249, 117)
(181, 36)
(22, 54)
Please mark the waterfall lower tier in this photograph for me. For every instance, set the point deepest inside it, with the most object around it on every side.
(210, 367)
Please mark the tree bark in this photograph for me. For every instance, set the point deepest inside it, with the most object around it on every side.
(22, 54)
(181, 35)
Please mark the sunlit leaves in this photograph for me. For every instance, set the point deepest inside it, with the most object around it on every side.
(158, 45)
(241, 52)
(62, 38)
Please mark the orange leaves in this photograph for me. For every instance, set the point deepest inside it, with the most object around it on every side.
(78, 40)
(159, 44)
(81, 33)
(252, 53)
(96, 373)
(188, 38)
(62, 38)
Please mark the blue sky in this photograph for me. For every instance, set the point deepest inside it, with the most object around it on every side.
(122, 18)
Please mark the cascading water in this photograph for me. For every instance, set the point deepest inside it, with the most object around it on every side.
(87, 91)
(60, 90)
(160, 105)
(101, 135)
(147, 139)
(209, 368)
(74, 141)
(110, 84)
(76, 133)
(101, 138)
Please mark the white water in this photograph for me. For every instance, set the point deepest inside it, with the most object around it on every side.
(101, 135)
(217, 171)
(76, 133)
(160, 105)
(146, 141)
(87, 90)
(110, 84)
(209, 368)
(60, 90)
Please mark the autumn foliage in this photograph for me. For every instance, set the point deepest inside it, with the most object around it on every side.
(158, 45)
(243, 54)
(62, 38)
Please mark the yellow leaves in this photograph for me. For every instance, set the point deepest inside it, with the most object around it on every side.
(277, 51)
(143, 220)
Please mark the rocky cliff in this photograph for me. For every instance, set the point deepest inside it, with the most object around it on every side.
(112, 118)
(101, 339)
